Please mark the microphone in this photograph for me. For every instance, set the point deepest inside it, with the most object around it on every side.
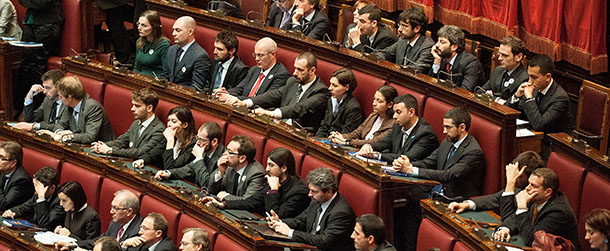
(441, 197)
(255, 22)
(215, 8)
(373, 55)
(413, 66)
(327, 40)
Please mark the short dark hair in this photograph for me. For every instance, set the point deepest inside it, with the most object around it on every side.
(409, 101)
(228, 39)
(454, 34)
(531, 160)
(599, 219)
(108, 244)
(549, 178)
(283, 157)
(213, 129)
(185, 115)
(323, 178)
(14, 151)
(312, 61)
(544, 62)
(54, 75)
(147, 96)
(159, 223)
(246, 146)
(389, 93)
(75, 192)
(47, 176)
(345, 77)
(459, 115)
(372, 225)
(516, 45)
(373, 11)
(414, 16)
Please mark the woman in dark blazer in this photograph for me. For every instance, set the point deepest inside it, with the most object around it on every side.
(343, 113)
(82, 221)
(180, 136)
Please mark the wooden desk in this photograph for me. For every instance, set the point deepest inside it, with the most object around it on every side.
(529, 143)
(10, 59)
(589, 157)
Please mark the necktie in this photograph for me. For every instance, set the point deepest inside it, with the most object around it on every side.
(335, 109)
(407, 51)
(504, 79)
(206, 161)
(235, 183)
(405, 137)
(178, 53)
(218, 80)
(539, 97)
(2, 181)
(53, 116)
(535, 214)
(314, 228)
(449, 156)
(257, 85)
(448, 68)
(120, 234)
(297, 97)
(140, 129)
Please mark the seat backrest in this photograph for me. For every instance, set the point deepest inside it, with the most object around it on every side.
(246, 48)
(72, 38)
(106, 195)
(167, 25)
(365, 92)
(346, 17)
(595, 194)
(33, 161)
(5, 248)
(488, 135)
(421, 98)
(434, 111)
(594, 112)
(254, 9)
(205, 38)
(20, 11)
(118, 108)
(472, 47)
(163, 109)
(432, 236)
(363, 197)
(258, 139)
(186, 221)
(93, 87)
(571, 177)
(325, 70)
(272, 144)
(287, 57)
(224, 243)
(152, 205)
(391, 24)
(202, 118)
(90, 181)
(460, 246)
(311, 163)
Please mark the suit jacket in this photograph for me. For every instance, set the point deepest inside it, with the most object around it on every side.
(275, 79)
(192, 71)
(47, 214)
(42, 115)
(197, 171)
(421, 53)
(93, 124)
(43, 12)
(465, 170)
(131, 146)
(8, 20)
(550, 114)
(113, 231)
(492, 202)
(384, 38)
(308, 112)
(356, 137)
(385, 246)
(348, 117)
(336, 225)
(109, 4)
(83, 225)
(421, 142)
(469, 68)
(165, 244)
(315, 28)
(185, 156)
(556, 217)
(18, 189)
(506, 89)
(252, 181)
(236, 72)
(275, 16)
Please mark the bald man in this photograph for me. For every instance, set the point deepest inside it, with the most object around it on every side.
(187, 63)
(268, 74)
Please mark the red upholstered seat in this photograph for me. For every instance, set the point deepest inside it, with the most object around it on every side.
(595, 194)
(20, 11)
(90, 181)
(152, 205)
(311, 163)
(325, 70)
(258, 139)
(224, 243)
(287, 58)
(118, 108)
(71, 38)
(421, 98)
(273, 144)
(163, 109)
(571, 177)
(94, 88)
(109, 187)
(33, 161)
(460, 246)
(434, 110)
(187, 221)
(432, 236)
(363, 198)
(245, 50)
(202, 117)
(167, 25)
(364, 93)
(4, 248)
(205, 38)
(488, 135)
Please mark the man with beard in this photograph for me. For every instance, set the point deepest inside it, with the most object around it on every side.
(227, 69)
(506, 78)
(280, 13)
(414, 47)
(309, 19)
(372, 35)
(461, 67)
(49, 111)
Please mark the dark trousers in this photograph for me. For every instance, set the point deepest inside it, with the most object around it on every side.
(406, 226)
(121, 40)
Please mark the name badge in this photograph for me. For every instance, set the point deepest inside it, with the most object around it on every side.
(270, 76)
(183, 69)
(509, 82)
(130, 144)
(243, 178)
(318, 228)
(151, 51)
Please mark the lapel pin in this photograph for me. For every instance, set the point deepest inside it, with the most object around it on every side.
(183, 69)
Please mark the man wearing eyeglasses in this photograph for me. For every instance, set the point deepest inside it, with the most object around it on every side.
(280, 13)
(49, 112)
(268, 74)
(15, 183)
(152, 236)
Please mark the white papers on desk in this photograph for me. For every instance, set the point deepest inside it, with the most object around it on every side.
(509, 248)
(365, 159)
(50, 238)
(521, 122)
(524, 132)
(25, 44)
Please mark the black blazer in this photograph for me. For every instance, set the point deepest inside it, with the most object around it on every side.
(509, 87)
(184, 157)
(113, 231)
(468, 66)
(166, 244)
(551, 113)
(47, 214)
(315, 28)
(336, 225)
(93, 123)
(421, 143)
(43, 12)
(198, 172)
(384, 38)
(84, 225)
(192, 71)
(131, 146)
(421, 53)
(275, 16)
(465, 170)
(308, 112)
(275, 79)
(18, 189)
(236, 73)
(492, 202)
(251, 182)
(348, 117)
(42, 115)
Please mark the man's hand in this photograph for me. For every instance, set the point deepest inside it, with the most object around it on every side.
(274, 218)
(403, 165)
(297, 14)
(41, 189)
(528, 91)
(261, 111)
(138, 163)
(63, 136)
(337, 138)
(222, 194)
(222, 164)
(62, 231)
(503, 234)
(521, 89)
(100, 147)
(25, 126)
(523, 198)
(8, 214)
(512, 173)
(34, 90)
(458, 207)
(366, 151)
(133, 242)
(161, 175)
(62, 245)
(354, 36)
(198, 150)
(280, 227)
(436, 54)
(211, 200)
(274, 182)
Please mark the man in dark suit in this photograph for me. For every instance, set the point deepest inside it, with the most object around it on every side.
(371, 33)
(227, 69)
(309, 20)
(302, 100)
(85, 121)
(15, 183)
(49, 112)
(152, 236)
(413, 48)
(200, 169)
(464, 69)
(369, 234)
(268, 74)
(280, 13)
(145, 132)
(541, 206)
(187, 63)
(328, 220)
(116, 11)
(508, 76)
(411, 136)
(43, 209)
